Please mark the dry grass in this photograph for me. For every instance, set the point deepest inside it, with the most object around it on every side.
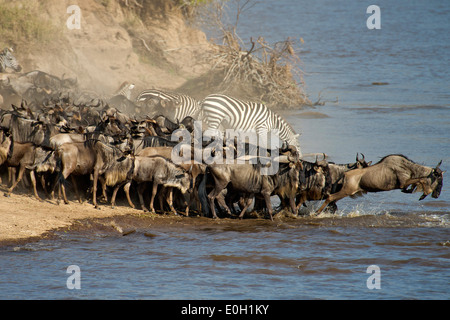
(19, 22)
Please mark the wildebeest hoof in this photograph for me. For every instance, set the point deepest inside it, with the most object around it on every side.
(7, 194)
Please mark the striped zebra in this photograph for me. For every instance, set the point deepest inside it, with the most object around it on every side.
(125, 90)
(184, 105)
(7, 60)
(236, 114)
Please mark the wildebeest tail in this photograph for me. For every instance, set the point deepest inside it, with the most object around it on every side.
(59, 179)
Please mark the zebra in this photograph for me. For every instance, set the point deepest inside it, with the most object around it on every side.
(242, 115)
(183, 105)
(7, 60)
(125, 90)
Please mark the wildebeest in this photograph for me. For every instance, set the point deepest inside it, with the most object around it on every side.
(337, 174)
(391, 172)
(111, 164)
(248, 180)
(91, 156)
(315, 181)
(21, 155)
(74, 158)
(25, 130)
(160, 171)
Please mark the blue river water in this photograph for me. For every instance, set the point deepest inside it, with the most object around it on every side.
(324, 257)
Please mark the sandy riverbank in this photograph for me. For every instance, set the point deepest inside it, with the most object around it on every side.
(23, 218)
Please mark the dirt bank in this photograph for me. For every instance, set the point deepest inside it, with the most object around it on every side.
(23, 218)
(116, 42)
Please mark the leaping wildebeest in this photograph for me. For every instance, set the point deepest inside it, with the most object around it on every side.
(391, 172)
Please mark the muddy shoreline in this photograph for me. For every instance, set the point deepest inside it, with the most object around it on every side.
(47, 220)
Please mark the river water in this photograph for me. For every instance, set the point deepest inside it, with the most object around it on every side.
(308, 258)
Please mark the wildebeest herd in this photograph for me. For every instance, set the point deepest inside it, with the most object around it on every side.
(71, 140)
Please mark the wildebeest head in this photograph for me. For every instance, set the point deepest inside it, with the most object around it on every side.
(322, 165)
(437, 181)
(184, 180)
(361, 162)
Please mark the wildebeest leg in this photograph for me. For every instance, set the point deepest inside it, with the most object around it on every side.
(221, 202)
(301, 200)
(44, 187)
(114, 194)
(19, 178)
(94, 189)
(332, 198)
(161, 195)
(11, 175)
(126, 188)
(293, 206)
(247, 202)
(193, 197)
(169, 200)
(33, 182)
(63, 190)
(75, 186)
(186, 212)
(62, 187)
(415, 182)
(268, 203)
(104, 195)
(211, 196)
(140, 190)
(154, 189)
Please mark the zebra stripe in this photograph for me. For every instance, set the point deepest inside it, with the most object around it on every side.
(186, 106)
(125, 90)
(241, 115)
(7, 60)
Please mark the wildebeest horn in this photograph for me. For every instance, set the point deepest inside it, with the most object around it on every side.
(364, 158)
(439, 164)
(324, 157)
